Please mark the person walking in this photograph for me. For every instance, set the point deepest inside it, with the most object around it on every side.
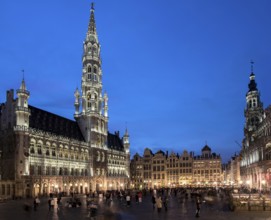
(198, 203)
(58, 202)
(159, 204)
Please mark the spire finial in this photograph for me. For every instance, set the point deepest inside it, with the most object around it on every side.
(92, 6)
(251, 65)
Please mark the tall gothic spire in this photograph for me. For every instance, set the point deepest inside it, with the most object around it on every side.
(92, 24)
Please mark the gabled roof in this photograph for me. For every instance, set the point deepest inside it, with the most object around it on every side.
(148, 150)
(160, 152)
(55, 124)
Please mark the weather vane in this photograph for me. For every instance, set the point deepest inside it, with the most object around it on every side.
(23, 73)
(252, 62)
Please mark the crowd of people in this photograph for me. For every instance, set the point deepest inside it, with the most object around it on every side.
(159, 198)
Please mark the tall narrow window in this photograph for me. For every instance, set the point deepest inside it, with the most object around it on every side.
(89, 69)
(89, 105)
(89, 76)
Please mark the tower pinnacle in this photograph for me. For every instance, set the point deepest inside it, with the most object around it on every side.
(92, 24)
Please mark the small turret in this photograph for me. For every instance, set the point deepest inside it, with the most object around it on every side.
(22, 111)
(76, 102)
(126, 141)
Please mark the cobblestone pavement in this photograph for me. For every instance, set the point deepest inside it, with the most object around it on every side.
(119, 211)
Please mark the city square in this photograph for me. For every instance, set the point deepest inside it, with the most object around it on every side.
(198, 141)
(118, 210)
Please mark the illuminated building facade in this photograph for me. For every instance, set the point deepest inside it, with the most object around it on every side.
(174, 170)
(207, 168)
(255, 156)
(42, 153)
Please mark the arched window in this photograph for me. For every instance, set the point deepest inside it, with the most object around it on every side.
(89, 69)
(39, 147)
(95, 70)
(54, 150)
(32, 146)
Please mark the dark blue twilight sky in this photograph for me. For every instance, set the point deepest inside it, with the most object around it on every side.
(175, 71)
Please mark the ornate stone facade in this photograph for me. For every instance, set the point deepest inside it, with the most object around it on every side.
(172, 170)
(255, 165)
(42, 153)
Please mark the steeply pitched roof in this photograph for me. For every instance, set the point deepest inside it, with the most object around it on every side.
(114, 142)
(49, 122)
(206, 148)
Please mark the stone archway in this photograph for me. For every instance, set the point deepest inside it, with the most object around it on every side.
(99, 185)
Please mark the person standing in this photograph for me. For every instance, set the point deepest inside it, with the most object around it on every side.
(198, 203)
(159, 204)
(140, 197)
(35, 204)
(49, 204)
(165, 202)
(153, 201)
(128, 200)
